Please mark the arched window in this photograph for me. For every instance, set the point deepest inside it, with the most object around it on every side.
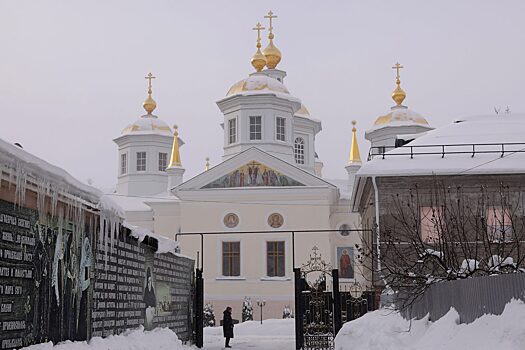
(299, 150)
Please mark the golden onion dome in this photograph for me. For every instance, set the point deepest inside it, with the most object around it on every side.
(398, 95)
(400, 115)
(258, 60)
(272, 54)
(257, 83)
(149, 104)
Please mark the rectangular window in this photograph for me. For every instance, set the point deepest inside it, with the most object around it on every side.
(163, 161)
(123, 164)
(232, 131)
(499, 225)
(431, 221)
(255, 128)
(275, 259)
(231, 258)
(280, 129)
(141, 161)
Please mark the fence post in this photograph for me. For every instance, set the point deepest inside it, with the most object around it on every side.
(298, 309)
(199, 309)
(337, 301)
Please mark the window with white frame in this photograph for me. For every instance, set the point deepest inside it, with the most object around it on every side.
(123, 164)
(141, 161)
(231, 258)
(298, 150)
(275, 259)
(232, 130)
(280, 128)
(499, 224)
(255, 128)
(163, 161)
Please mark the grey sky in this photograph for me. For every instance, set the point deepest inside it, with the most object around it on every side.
(72, 72)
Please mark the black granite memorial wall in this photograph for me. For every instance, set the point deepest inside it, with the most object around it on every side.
(60, 279)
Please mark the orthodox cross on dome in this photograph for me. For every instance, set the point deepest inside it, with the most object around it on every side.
(258, 59)
(270, 16)
(150, 104)
(397, 67)
(398, 95)
(149, 77)
(258, 28)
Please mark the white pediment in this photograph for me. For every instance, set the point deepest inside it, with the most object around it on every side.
(251, 169)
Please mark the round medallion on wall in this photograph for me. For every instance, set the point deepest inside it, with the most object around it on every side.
(231, 220)
(344, 230)
(275, 220)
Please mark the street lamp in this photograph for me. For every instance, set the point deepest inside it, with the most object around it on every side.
(261, 304)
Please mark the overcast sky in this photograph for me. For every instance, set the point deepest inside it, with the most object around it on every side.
(72, 72)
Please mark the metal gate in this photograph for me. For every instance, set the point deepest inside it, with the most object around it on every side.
(317, 309)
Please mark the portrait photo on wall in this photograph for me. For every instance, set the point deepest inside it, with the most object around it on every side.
(345, 262)
(150, 300)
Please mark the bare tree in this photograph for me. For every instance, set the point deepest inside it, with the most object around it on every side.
(443, 233)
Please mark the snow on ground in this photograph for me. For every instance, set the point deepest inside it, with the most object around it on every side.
(383, 329)
(251, 335)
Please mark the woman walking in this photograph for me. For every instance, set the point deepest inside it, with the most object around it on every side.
(227, 326)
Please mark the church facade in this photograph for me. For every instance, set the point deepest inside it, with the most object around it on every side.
(268, 185)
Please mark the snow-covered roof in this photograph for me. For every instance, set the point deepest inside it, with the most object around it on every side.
(261, 84)
(165, 245)
(129, 203)
(399, 116)
(148, 124)
(486, 133)
(17, 162)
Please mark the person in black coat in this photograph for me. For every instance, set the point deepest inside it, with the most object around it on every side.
(227, 326)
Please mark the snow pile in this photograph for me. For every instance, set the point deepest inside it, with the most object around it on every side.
(384, 329)
(468, 265)
(137, 339)
(272, 334)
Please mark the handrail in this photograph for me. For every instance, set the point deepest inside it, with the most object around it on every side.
(444, 149)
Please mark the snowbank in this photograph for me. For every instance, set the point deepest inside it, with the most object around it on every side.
(137, 339)
(384, 329)
(271, 335)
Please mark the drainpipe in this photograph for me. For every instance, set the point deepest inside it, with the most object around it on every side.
(376, 204)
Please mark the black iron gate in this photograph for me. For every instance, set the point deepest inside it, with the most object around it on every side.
(318, 316)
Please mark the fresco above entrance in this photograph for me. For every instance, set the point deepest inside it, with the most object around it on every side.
(253, 174)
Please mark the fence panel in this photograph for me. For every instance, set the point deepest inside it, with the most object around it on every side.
(471, 298)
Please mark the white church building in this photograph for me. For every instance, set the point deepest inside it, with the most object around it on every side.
(268, 184)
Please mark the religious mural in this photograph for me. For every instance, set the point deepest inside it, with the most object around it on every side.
(253, 174)
(345, 262)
